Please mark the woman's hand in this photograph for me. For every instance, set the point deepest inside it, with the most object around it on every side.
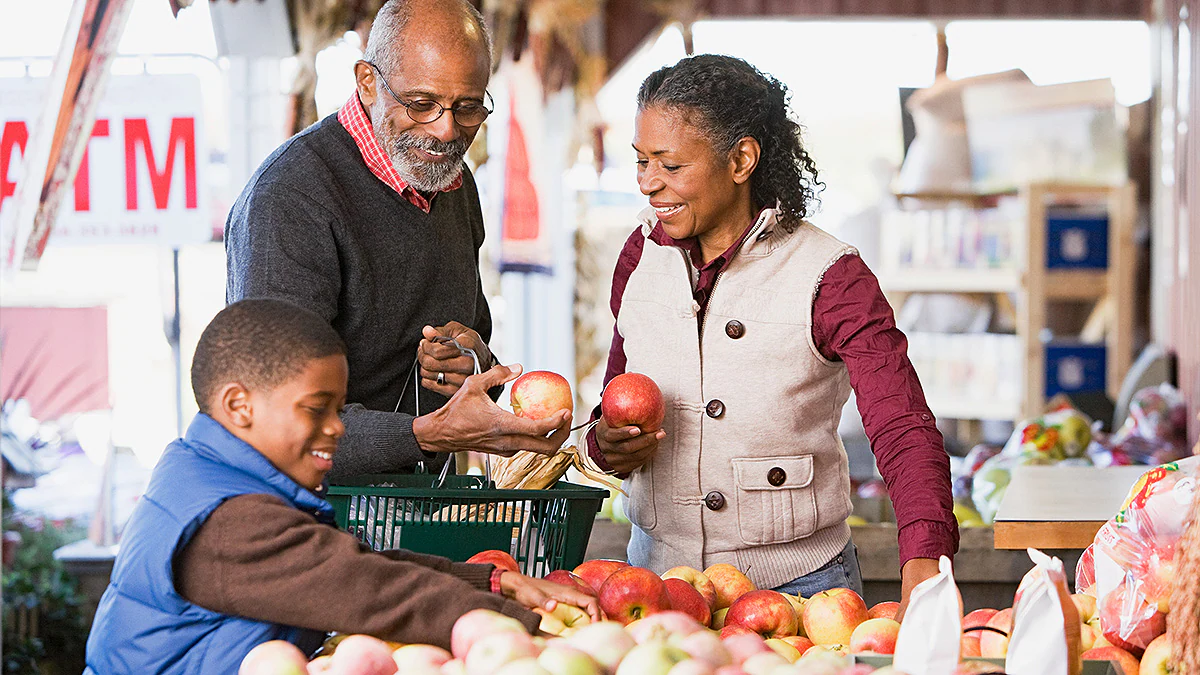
(626, 448)
(914, 572)
(443, 358)
(545, 595)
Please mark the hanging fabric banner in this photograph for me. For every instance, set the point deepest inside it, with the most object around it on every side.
(526, 244)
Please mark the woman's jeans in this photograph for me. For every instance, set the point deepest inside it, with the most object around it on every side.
(841, 572)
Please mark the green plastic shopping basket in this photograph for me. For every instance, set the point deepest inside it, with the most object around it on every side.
(544, 530)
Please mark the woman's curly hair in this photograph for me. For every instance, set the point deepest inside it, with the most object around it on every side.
(728, 99)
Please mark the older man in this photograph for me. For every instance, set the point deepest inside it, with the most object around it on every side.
(370, 219)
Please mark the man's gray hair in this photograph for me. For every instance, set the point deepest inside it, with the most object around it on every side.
(383, 43)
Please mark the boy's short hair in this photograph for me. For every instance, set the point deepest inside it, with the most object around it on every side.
(260, 344)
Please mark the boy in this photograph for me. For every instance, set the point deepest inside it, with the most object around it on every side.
(232, 546)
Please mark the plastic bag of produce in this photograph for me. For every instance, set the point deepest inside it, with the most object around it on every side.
(930, 635)
(1135, 554)
(1155, 432)
(1045, 636)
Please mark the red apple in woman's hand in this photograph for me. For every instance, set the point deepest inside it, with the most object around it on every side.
(632, 399)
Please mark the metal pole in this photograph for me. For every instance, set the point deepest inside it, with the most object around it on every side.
(176, 351)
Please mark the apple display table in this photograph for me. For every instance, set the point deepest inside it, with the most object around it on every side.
(1060, 507)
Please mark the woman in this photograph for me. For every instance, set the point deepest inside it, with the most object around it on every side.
(756, 325)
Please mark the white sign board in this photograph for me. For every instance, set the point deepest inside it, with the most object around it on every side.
(141, 179)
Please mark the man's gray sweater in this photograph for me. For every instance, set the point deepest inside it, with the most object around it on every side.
(314, 226)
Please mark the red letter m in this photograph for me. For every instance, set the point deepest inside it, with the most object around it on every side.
(183, 130)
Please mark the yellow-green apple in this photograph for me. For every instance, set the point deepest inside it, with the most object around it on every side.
(277, 657)
(1157, 659)
(699, 580)
(798, 605)
(1128, 662)
(477, 623)
(829, 649)
(605, 641)
(572, 580)
(1088, 634)
(729, 582)
(631, 593)
(1130, 628)
(765, 612)
(735, 629)
(539, 394)
(563, 617)
(705, 646)
(685, 598)
(632, 399)
(523, 666)
(743, 645)
(763, 663)
(500, 559)
(559, 658)
(884, 610)
(662, 625)
(454, 667)
(969, 645)
(420, 658)
(1161, 583)
(595, 572)
(718, 619)
(875, 635)
(830, 617)
(993, 644)
(323, 665)
(363, 655)
(1086, 604)
(800, 642)
(784, 649)
(491, 652)
(652, 658)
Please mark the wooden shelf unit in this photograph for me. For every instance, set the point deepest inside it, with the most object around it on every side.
(1035, 288)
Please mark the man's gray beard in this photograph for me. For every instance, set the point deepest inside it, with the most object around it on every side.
(424, 176)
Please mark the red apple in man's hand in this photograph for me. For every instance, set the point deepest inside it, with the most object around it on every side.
(686, 599)
(595, 572)
(699, 581)
(1128, 662)
(875, 635)
(631, 593)
(572, 580)
(884, 610)
(729, 582)
(539, 394)
(767, 613)
(500, 559)
(632, 399)
(830, 617)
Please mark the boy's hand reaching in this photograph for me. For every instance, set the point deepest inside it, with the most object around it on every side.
(541, 594)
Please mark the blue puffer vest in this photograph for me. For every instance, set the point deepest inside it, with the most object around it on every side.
(143, 625)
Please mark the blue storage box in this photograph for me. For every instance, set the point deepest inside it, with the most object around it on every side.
(1074, 367)
(1076, 240)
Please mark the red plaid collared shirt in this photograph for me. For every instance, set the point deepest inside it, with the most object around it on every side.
(355, 120)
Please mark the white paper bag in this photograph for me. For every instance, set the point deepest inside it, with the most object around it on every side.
(931, 632)
(1039, 644)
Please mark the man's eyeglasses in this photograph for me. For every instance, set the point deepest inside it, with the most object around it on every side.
(424, 111)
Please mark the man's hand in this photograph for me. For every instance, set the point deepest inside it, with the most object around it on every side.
(913, 573)
(545, 595)
(443, 358)
(471, 420)
(626, 448)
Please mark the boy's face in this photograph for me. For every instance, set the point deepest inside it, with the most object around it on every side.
(297, 425)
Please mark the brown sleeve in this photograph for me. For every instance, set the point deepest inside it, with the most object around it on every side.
(479, 576)
(259, 558)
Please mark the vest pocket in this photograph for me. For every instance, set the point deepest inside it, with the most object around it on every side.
(641, 497)
(776, 499)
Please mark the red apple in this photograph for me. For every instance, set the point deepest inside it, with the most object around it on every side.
(800, 642)
(500, 559)
(784, 649)
(363, 655)
(830, 617)
(699, 580)
(884, 610)
(563, 619)
(323, 665)
(606, 642)
(993, 644)
(595, 572)
(571, 580)
(875, 635)
(631, 593)
(685, 598)
(419, 658)
(744, 645)
(495, 650)
(1086, 604)
(632, 399)
(1157, 659)
(475, 624)
(706, 646)
(733, 629)
(1088, 634)
(1140, 623)
(767, 613)
(540, 393)
(662, 625)
(1128, 662)
(729, 582)
(274, 658)
(969, 646)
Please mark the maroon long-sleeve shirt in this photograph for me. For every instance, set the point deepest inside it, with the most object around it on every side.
(852, 322)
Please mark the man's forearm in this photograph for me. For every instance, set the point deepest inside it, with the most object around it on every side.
(377, 442)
